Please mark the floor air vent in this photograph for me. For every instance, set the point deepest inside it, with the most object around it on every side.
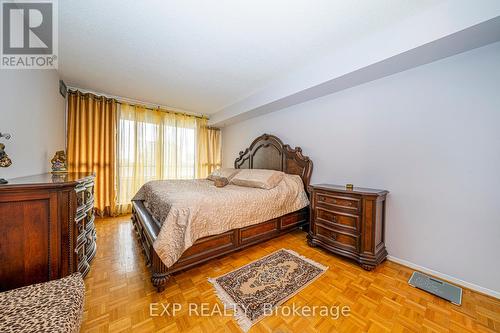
(436, 287)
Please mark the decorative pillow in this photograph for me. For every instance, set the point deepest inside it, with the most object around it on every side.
(259, 178)
(221, 182)
(223, 173)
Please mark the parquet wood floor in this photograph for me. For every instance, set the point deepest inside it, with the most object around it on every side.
(119, 293)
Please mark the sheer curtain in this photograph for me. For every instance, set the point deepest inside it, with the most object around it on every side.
(209, 149)
(153, 145)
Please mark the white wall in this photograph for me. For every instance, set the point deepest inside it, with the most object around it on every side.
(32, 111)
(430, 135)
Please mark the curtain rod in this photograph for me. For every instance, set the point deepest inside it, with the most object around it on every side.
(140, 105)
(161, 110)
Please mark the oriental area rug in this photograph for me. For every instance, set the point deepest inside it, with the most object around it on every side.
(256, 289)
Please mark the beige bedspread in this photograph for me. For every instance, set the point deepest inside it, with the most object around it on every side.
(192, 209)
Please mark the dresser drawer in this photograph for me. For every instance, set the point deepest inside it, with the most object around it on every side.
(89, 194)
(337, 238)
(348, 221)
(338, 200)
(80, 198)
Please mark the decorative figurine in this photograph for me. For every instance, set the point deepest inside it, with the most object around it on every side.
(59, 162)
(349, 187)
(5, 160)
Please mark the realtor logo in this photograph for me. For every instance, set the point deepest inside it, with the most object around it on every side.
(29, 34)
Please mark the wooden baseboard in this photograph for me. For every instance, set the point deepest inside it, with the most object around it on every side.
(446, 277)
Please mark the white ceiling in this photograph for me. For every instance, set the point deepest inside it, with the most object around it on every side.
(202, 56)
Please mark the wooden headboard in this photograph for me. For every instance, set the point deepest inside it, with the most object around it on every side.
(269, 152)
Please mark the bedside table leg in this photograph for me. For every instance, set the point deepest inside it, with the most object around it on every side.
(310, 241)
(367, 267)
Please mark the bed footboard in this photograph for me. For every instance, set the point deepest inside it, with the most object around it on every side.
(210, 247)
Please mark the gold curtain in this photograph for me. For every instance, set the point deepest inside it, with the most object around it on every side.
(209, 149)
(152, 145)
(91, 139)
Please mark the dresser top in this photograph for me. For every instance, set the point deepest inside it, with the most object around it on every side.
(48, 179)
(356, 190)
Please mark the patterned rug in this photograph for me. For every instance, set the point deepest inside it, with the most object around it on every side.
(252, 290)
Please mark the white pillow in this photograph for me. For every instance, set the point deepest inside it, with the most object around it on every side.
(223, 173)
(259, 178)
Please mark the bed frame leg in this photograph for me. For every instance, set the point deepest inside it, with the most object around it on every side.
(160, 280)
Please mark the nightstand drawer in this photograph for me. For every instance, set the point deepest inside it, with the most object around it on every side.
(348, 221)
(337, 238)
(338, 201)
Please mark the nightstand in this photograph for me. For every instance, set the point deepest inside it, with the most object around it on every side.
(350, 223)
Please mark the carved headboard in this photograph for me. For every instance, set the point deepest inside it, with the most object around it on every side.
(269, 152)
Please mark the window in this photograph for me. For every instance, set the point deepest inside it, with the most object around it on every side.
(153, 145)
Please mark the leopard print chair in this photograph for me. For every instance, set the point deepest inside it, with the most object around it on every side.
(54, 306)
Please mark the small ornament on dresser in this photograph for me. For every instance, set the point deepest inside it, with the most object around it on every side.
(349, 187)
(5, 160)
(59, 162)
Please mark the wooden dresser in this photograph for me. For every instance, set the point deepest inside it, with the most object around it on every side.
(350, 223)
(46, 228)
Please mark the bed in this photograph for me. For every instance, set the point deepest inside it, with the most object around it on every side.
(265, 152)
